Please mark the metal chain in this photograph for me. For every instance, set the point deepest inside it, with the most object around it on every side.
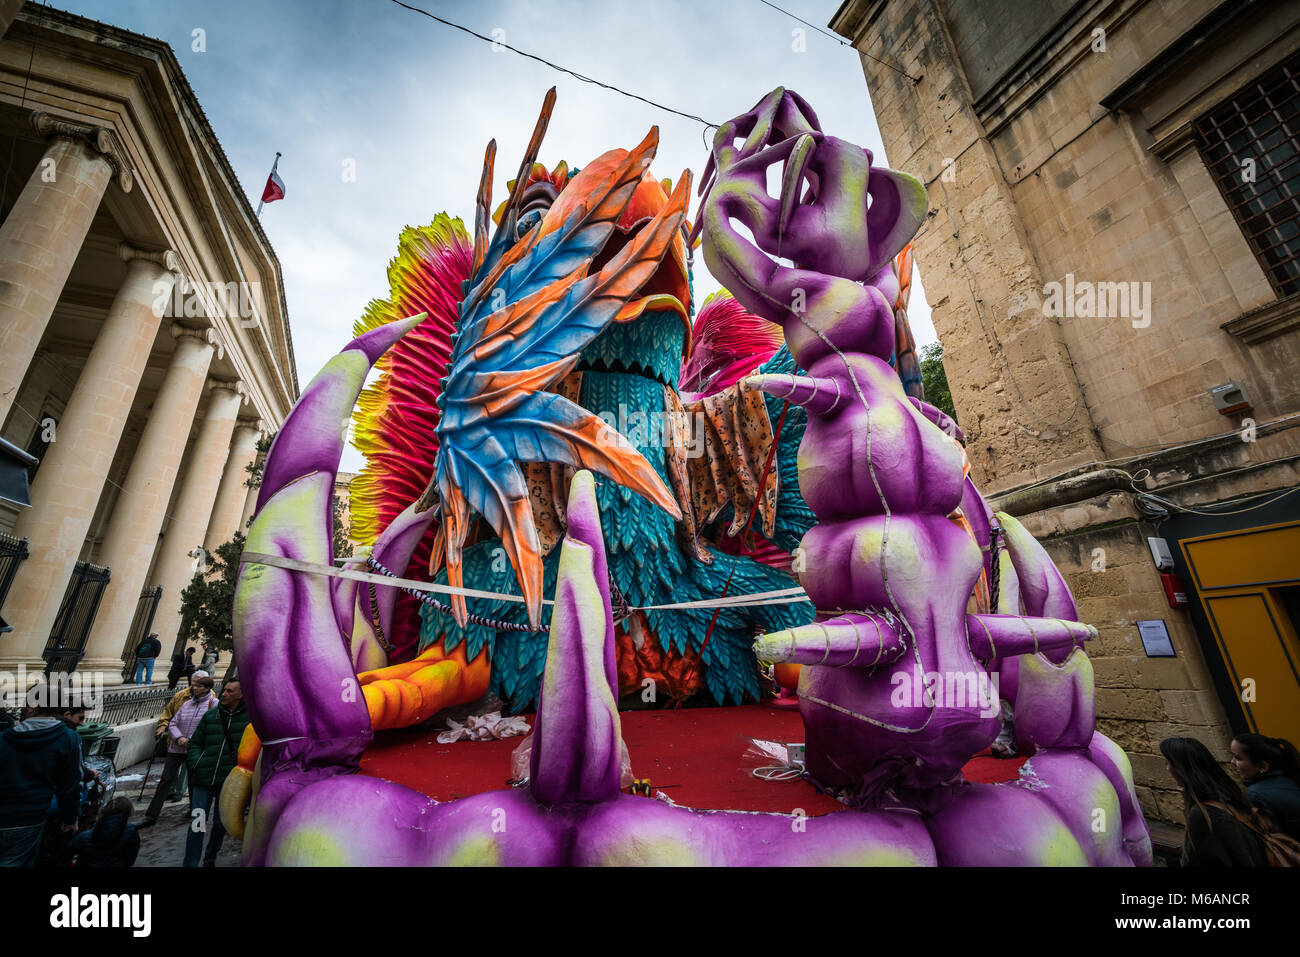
(995, 575)
(445, 609)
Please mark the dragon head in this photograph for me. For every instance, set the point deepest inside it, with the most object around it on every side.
(549, 282)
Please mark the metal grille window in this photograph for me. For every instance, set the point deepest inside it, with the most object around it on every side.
(13, 552)
(67, 642)
(1251, 143)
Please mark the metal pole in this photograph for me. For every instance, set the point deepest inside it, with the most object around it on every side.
(260, 203)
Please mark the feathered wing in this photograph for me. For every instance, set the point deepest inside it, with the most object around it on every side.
(521, 329)
(396, 418)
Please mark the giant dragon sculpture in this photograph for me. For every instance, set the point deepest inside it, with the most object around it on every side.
(912, 577)
(587, 356)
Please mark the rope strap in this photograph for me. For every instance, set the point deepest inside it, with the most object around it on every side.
(422, 590)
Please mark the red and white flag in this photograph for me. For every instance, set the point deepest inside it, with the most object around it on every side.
(274, 188)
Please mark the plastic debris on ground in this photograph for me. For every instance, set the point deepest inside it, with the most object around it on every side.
(521, 762)
(485, 727)
(774, 760)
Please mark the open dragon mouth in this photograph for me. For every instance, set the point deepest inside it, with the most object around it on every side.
(650, 347)
(668, 289)
(627, 367)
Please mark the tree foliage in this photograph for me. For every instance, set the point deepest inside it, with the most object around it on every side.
(935, 380)
(254, 468)
(208, 602)
(342, 547)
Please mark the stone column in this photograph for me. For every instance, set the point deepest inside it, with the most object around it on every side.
(250, 506)
(72, 474)
(43, 233)
(190, 517)
(233, 493)
(137, 518)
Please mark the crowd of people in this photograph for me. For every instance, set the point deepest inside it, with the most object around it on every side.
(1229, 827)
(182, 663)
(46, 789)
(48, 807)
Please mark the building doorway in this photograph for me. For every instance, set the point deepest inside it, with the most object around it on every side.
(1248, 584)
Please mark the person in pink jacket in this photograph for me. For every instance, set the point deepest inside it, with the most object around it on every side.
(179, 729)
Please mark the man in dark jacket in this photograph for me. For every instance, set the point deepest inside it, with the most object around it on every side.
(145, 655)
(211, 755)
(181, 668)
(40, 758)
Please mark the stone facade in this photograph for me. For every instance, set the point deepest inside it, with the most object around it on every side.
(1059, 145)
(343, 494)
(144, 338)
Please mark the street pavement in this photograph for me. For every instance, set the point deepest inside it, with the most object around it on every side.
(163, 845)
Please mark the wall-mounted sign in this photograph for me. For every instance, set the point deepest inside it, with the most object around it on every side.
(1155, 638)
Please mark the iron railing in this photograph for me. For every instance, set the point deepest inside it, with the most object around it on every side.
(140, 625)
(67, 642)
(13, 552)
(119, 706)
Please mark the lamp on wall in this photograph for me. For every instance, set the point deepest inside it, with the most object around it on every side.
(14, 464)
(1231, 398)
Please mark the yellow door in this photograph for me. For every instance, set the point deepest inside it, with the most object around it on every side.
(1241, 578)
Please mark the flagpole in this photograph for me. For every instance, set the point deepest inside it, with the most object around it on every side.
(260, 204)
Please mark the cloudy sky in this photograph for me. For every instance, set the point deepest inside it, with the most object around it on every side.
(409, 104)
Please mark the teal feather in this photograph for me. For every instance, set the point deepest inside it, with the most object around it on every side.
(645, 561)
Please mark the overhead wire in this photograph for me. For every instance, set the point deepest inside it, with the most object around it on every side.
(840, 40)
(554, 66)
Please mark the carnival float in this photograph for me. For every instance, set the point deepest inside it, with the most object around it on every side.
(579, 488)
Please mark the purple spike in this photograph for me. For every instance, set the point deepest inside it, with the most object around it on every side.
(577, 746)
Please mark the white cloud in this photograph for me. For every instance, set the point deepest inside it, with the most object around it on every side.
(413, 103)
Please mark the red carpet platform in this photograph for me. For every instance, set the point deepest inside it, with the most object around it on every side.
(695, 755)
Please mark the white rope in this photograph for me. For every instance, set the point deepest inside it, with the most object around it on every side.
(782, 596)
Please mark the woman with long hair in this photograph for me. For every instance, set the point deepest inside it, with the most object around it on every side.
(1216, 835)
(1270, 769)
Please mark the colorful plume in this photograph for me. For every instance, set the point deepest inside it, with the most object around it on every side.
(535, 303)
(396, 417)
(728, 343)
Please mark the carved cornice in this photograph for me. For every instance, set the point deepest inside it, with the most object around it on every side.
(1266, 322)
(256, 425)
(207, 336)
(854, 18)
(230, 385)
(165, 258)
(1169, 145)
(99, 138)
(1052, 56)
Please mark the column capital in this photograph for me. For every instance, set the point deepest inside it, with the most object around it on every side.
(229, 385)
(99, 138)
(257, 425)
(206, 335)
(165, 257)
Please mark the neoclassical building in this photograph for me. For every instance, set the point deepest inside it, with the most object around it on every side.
(144, 339)
(1112, 256)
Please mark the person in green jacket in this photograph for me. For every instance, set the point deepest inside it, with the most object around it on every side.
(211, 755)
